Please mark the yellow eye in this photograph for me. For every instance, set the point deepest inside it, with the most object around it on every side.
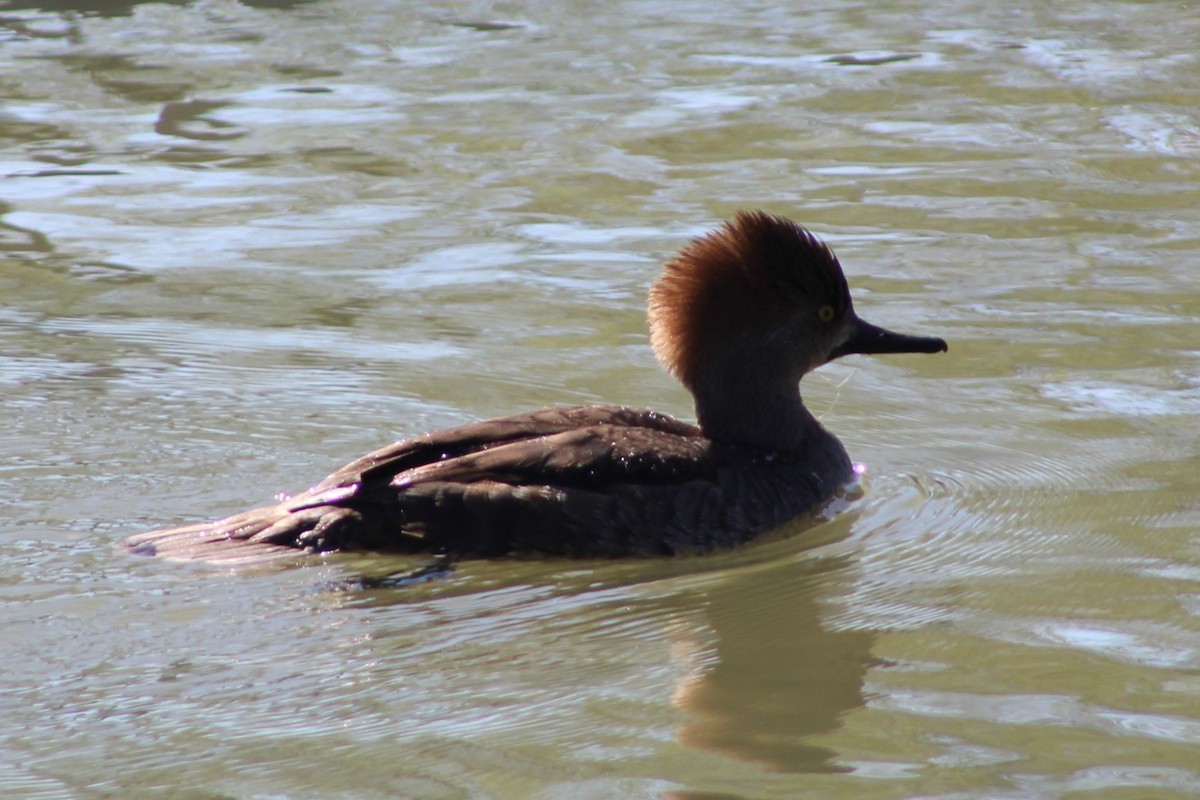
(825, 313)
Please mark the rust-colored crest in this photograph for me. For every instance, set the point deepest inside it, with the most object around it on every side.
(744, 279)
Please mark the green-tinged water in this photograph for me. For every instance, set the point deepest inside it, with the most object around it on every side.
(241, 244)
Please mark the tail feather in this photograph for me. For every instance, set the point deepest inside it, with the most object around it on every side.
(308, 523)
(261, 534)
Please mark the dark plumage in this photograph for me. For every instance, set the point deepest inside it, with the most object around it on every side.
(738, 316)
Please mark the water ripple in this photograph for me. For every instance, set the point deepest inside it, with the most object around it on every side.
(1041, 710)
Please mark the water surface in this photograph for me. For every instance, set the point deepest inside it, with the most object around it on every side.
(241, 244)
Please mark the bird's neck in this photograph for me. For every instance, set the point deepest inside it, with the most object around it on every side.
(740, 405)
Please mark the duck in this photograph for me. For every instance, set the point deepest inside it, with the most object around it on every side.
(738, 316)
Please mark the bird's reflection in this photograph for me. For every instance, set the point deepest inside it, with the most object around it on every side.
(760, 675)
(779, 676)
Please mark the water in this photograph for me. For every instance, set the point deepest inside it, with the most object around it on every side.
(245, 243)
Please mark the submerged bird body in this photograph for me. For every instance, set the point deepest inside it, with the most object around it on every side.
(738, 316)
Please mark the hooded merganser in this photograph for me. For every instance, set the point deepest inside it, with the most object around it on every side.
(738, 316)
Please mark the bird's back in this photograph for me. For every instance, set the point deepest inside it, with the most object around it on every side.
(585, 481)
